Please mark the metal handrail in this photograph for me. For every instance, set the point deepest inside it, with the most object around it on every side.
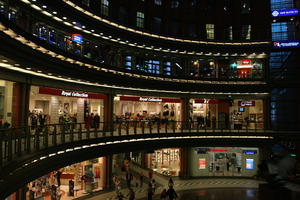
(17, 142)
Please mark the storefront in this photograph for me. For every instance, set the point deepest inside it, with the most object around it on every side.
(56, 103)
(164, 161)
(223, 161)
(247, 114)
(132, 107)
(6, 101)
(76, 180)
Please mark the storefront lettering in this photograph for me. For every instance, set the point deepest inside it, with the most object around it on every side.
(74, 94)
(149, 99)
(246, 103)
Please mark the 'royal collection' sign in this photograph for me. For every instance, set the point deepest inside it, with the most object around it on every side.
(282, 13)
(74, 94)
(149, 99)
(286, 44)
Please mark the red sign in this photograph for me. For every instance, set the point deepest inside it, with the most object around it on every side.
(246, 103)
(246, 62)
(149, 99)
(207, 101)
(219, 150)
(66, 93)
(202, 163)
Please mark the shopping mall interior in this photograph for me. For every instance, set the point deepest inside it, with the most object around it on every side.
(149, 99)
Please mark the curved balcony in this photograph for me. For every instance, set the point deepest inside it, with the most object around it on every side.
(27, 151)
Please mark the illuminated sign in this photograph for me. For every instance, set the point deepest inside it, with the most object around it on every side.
(286, 44)
(77, 38)
(207, 101)
(202, 163)
(249, 152)
(74, 94)
(249, 164)
(147, 99)
(282, 13)
(246, 62)
(246, 103)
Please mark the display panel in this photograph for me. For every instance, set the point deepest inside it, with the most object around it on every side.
(249, 164)
(202, 163)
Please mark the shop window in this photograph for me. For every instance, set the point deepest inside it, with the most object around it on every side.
(174, 4)
(128, 62)
(193, 3)
(52, 37)
(246, 69)
(283, 31)
(167, 68)
(174, 28)
(123, 15)
(228, 35)
(152, 66)
(245, 7)
(210, 31)
(282, 4)
(86, 3)
(246, 32)
(12, 15)
(140, 19)
(156, 24)
(105, 7)
(192, 31)
(42, 32)
(158, 2)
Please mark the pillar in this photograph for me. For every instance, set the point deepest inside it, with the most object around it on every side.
(266, 110)
(183, 162)
(20, 110)
(108, 110)
(185, 109)
(108, 172)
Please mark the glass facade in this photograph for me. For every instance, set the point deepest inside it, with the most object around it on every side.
(6, 103)
(210, 31)
(140, 19)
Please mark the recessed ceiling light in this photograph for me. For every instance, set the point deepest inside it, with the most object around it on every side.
(50, 74)
(83, 26)
(39, 71)
(54, 12)
(65, 18)
(28, 68)
(74, 22)
(93, 30)
(5, 60)
(44, 6)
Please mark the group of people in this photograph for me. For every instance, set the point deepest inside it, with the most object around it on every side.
(92, 121)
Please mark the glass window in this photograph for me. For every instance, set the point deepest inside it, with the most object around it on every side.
(123, 15)
(210, 31)
(174, 4)
(167, 68)
(156, 24)
(104, 7)
(140, 19)
(283, 31)
(245, 6)
(152, 66)
(246, 32)
(158, 2)
(282, 4)
(128, 62)
(86, 2)
(228, 33)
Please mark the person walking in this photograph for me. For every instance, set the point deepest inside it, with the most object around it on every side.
(163, 195)
(171, 182)
(150, 192)
(141, 179)
(153, 185)
(131, 195)
(58, 174)
(171, 193)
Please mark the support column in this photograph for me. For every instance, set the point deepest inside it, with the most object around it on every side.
(21, 93)
(185, 110)
(108, 111)
(108, 172)
(183, 162)
(266, 110)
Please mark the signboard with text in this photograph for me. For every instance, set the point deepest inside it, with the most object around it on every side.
(202, 163)
(249, 164)
(246, 103)
(77, 38)
(287, 12)
(149, 99)
(286, 44)
(65, 93)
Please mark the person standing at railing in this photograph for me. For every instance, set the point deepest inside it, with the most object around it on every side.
(96, 121)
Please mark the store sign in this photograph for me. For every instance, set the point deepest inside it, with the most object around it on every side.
(287, 12)
(202, 163)
(148, 99)
(251, 152)
(207, 101)
(246, 62)
(246, 103)
(286, 44)
(219, 150)
(77, 38)
(57, 92)
(249, 164)
(74, 94)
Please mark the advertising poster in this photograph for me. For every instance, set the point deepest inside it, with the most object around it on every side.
(249, 164)
(202, 163)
